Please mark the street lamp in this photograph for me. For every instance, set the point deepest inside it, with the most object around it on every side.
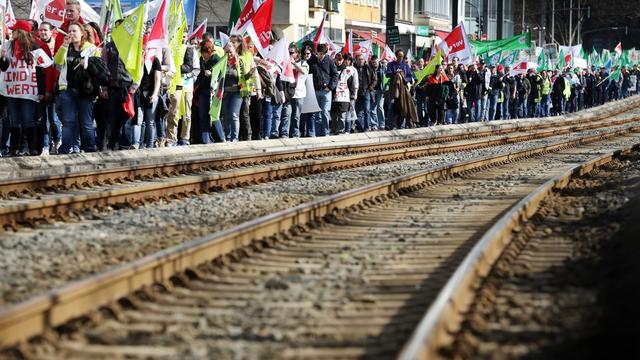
(540, 30)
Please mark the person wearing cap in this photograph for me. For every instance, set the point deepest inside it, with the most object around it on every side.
(22, 98)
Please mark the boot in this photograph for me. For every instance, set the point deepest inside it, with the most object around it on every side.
(16, 140)
(31, 141)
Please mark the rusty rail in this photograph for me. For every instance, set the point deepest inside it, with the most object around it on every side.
(24, 320)
(446, 313)
(35, 209)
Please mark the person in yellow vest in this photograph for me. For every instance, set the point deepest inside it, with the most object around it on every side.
(239, 83)
(180, 99)
(545, 104)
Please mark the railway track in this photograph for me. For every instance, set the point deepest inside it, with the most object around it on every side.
(345, 276)
(31, 200)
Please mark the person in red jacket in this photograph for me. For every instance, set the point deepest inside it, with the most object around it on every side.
(71, 15)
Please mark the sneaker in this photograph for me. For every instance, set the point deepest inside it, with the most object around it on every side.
(45, 152)
(54, 147)
(183, 143)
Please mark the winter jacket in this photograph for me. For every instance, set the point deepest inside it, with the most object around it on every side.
(324, 72)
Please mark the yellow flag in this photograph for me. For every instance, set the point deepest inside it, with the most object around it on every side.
(128, 40)
(430, 68)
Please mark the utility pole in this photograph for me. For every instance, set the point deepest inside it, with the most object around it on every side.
(553, 21)
(570, 22)
(524, 5)
(454, 13)
(579, 41)
(391, 13)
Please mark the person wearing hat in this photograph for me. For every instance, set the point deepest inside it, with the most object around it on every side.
(20, 61)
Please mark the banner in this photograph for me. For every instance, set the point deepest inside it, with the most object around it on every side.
(310, 103)
(217, 88)
(19, 80)
(128, 40)
(53, 12)
(518, 42)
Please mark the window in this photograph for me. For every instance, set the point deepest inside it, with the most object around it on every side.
(419, 6)
(508, 9)
(438, 8)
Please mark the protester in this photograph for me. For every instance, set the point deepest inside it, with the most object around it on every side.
(19, 58)
(78, 89)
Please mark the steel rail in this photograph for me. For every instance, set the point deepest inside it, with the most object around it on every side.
(446, 313)
(35, 209)
(29, 184)
(56, 307)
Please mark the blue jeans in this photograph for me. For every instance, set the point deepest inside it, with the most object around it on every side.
(77, 119)
(231, 104)
(276, 113)
(324, 117)
(22, 112)
(493, 103)
(309, 121)
(377, 110)
(291, 118)
(476, 114)
(265, 119)
(522, 108)
(545, 105)
(51, 124)
(505, 109)
(451, 116)
(4, 137)
(132, 131)
(148, 125)
(208, 127)
(363, 110)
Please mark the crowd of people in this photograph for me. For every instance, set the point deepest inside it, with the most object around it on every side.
(87, 101)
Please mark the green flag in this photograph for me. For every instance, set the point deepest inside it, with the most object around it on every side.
(508, 58)
(128, 40)
(234, 14)
(430, 68)
(561, 63)
(110, 12)
(518, 42)
(615, 75)
(177, 51)
(542, 61)
(217, 88)
(176, 17)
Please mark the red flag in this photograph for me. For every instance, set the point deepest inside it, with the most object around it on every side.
(199, 31)
(320, 31)
(259, 26)
(158, 36)
(348, 46)
(457, 45)
(365, 48)
(388, 54)
(248, 13)
(619, 48)
(128, 107)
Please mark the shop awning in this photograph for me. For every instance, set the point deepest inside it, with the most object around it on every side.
(366, 35)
